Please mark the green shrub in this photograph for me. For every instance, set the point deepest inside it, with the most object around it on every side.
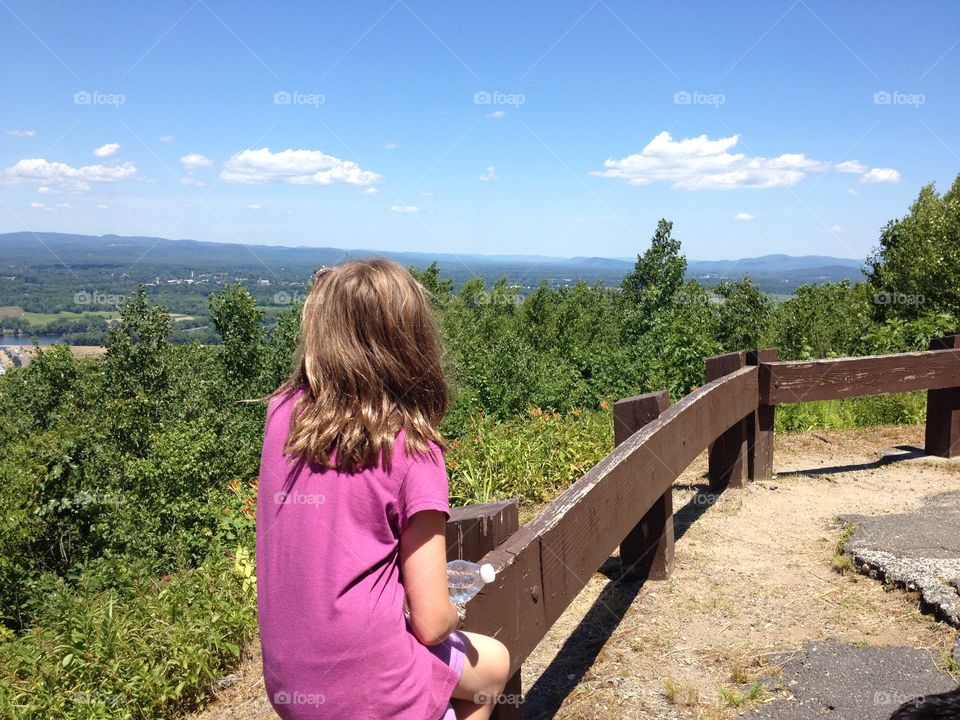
(133, 647)
(529, 457)
(901, 408)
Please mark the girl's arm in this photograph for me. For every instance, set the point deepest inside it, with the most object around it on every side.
(423, 561)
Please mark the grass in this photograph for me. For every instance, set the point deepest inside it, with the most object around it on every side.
(948, 663)
(681, 694)
(900, 408)
(41, 319)
(737, 698)
(842, 562)
(10, 311)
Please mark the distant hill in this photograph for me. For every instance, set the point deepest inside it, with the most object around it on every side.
(144, 258)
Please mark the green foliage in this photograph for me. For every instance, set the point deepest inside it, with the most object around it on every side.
(678, 342)
(742, 316)
(820, 321)
(898, 335)
(235, 316)
(903, 408)
(916, 269)
(530, 457)
(656, 279)
(137, 646)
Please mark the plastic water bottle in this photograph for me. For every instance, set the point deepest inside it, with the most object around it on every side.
(466, 578)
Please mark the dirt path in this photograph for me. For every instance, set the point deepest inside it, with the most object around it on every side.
(753, 579)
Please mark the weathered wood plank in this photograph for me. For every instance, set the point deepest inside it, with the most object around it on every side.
(647, 552)
(632, 413)
(475, 530)
(792, 382)
(760, 430)
(511, 607)
(942, 436)
(580, 529)
(727, 460)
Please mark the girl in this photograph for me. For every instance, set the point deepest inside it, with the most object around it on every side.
(351, 514)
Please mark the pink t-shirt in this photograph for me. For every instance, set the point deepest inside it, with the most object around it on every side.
(335, 641)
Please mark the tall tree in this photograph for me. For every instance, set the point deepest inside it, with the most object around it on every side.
(916, 270)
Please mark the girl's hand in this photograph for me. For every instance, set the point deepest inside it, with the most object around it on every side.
(423, 562)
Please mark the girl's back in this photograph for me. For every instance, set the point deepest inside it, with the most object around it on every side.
(330, 602)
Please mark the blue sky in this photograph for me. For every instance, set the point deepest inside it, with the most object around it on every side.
(560, 128)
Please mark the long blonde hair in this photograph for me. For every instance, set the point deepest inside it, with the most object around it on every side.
(369, 363)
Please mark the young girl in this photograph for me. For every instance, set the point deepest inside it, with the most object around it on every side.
(351, 514)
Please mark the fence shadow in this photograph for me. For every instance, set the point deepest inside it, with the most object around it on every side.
(582, 647)
(907, 452)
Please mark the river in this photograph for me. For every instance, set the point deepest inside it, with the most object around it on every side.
(26, 340)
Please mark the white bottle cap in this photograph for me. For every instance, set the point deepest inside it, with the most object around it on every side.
(487, 573)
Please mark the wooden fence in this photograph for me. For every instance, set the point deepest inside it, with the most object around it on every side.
(625, 500)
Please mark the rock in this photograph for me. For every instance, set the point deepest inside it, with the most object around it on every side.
(956, 650)
(917, 550)
(225, 682)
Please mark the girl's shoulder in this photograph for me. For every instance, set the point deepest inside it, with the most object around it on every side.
(283, 399)
(404, 459)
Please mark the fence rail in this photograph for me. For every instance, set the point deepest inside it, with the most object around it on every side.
(625, 500)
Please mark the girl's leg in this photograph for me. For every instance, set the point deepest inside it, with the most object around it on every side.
(485, 669)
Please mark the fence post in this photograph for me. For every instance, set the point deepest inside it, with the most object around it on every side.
(728, 465)
(943, 411)
(472, 532)
(760, 425)
(647, 550)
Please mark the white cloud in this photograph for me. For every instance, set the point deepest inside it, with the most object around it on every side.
(22, 133)
(853, 191)
(427, 193)
(194, 161)
(371, 191)
(192, 182)
(65, 206)
(405, 208)
(37, 205)
(57, 175)
(105, 151)
(744, 216)
(297, 167)
(700, 163)
(880, 175)
(851, 166)
(255, 206)
(833, 230)
(101, 206)
(490, 175)
(390, 146)
(497, 115)
(167, 138)
(44, 190)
